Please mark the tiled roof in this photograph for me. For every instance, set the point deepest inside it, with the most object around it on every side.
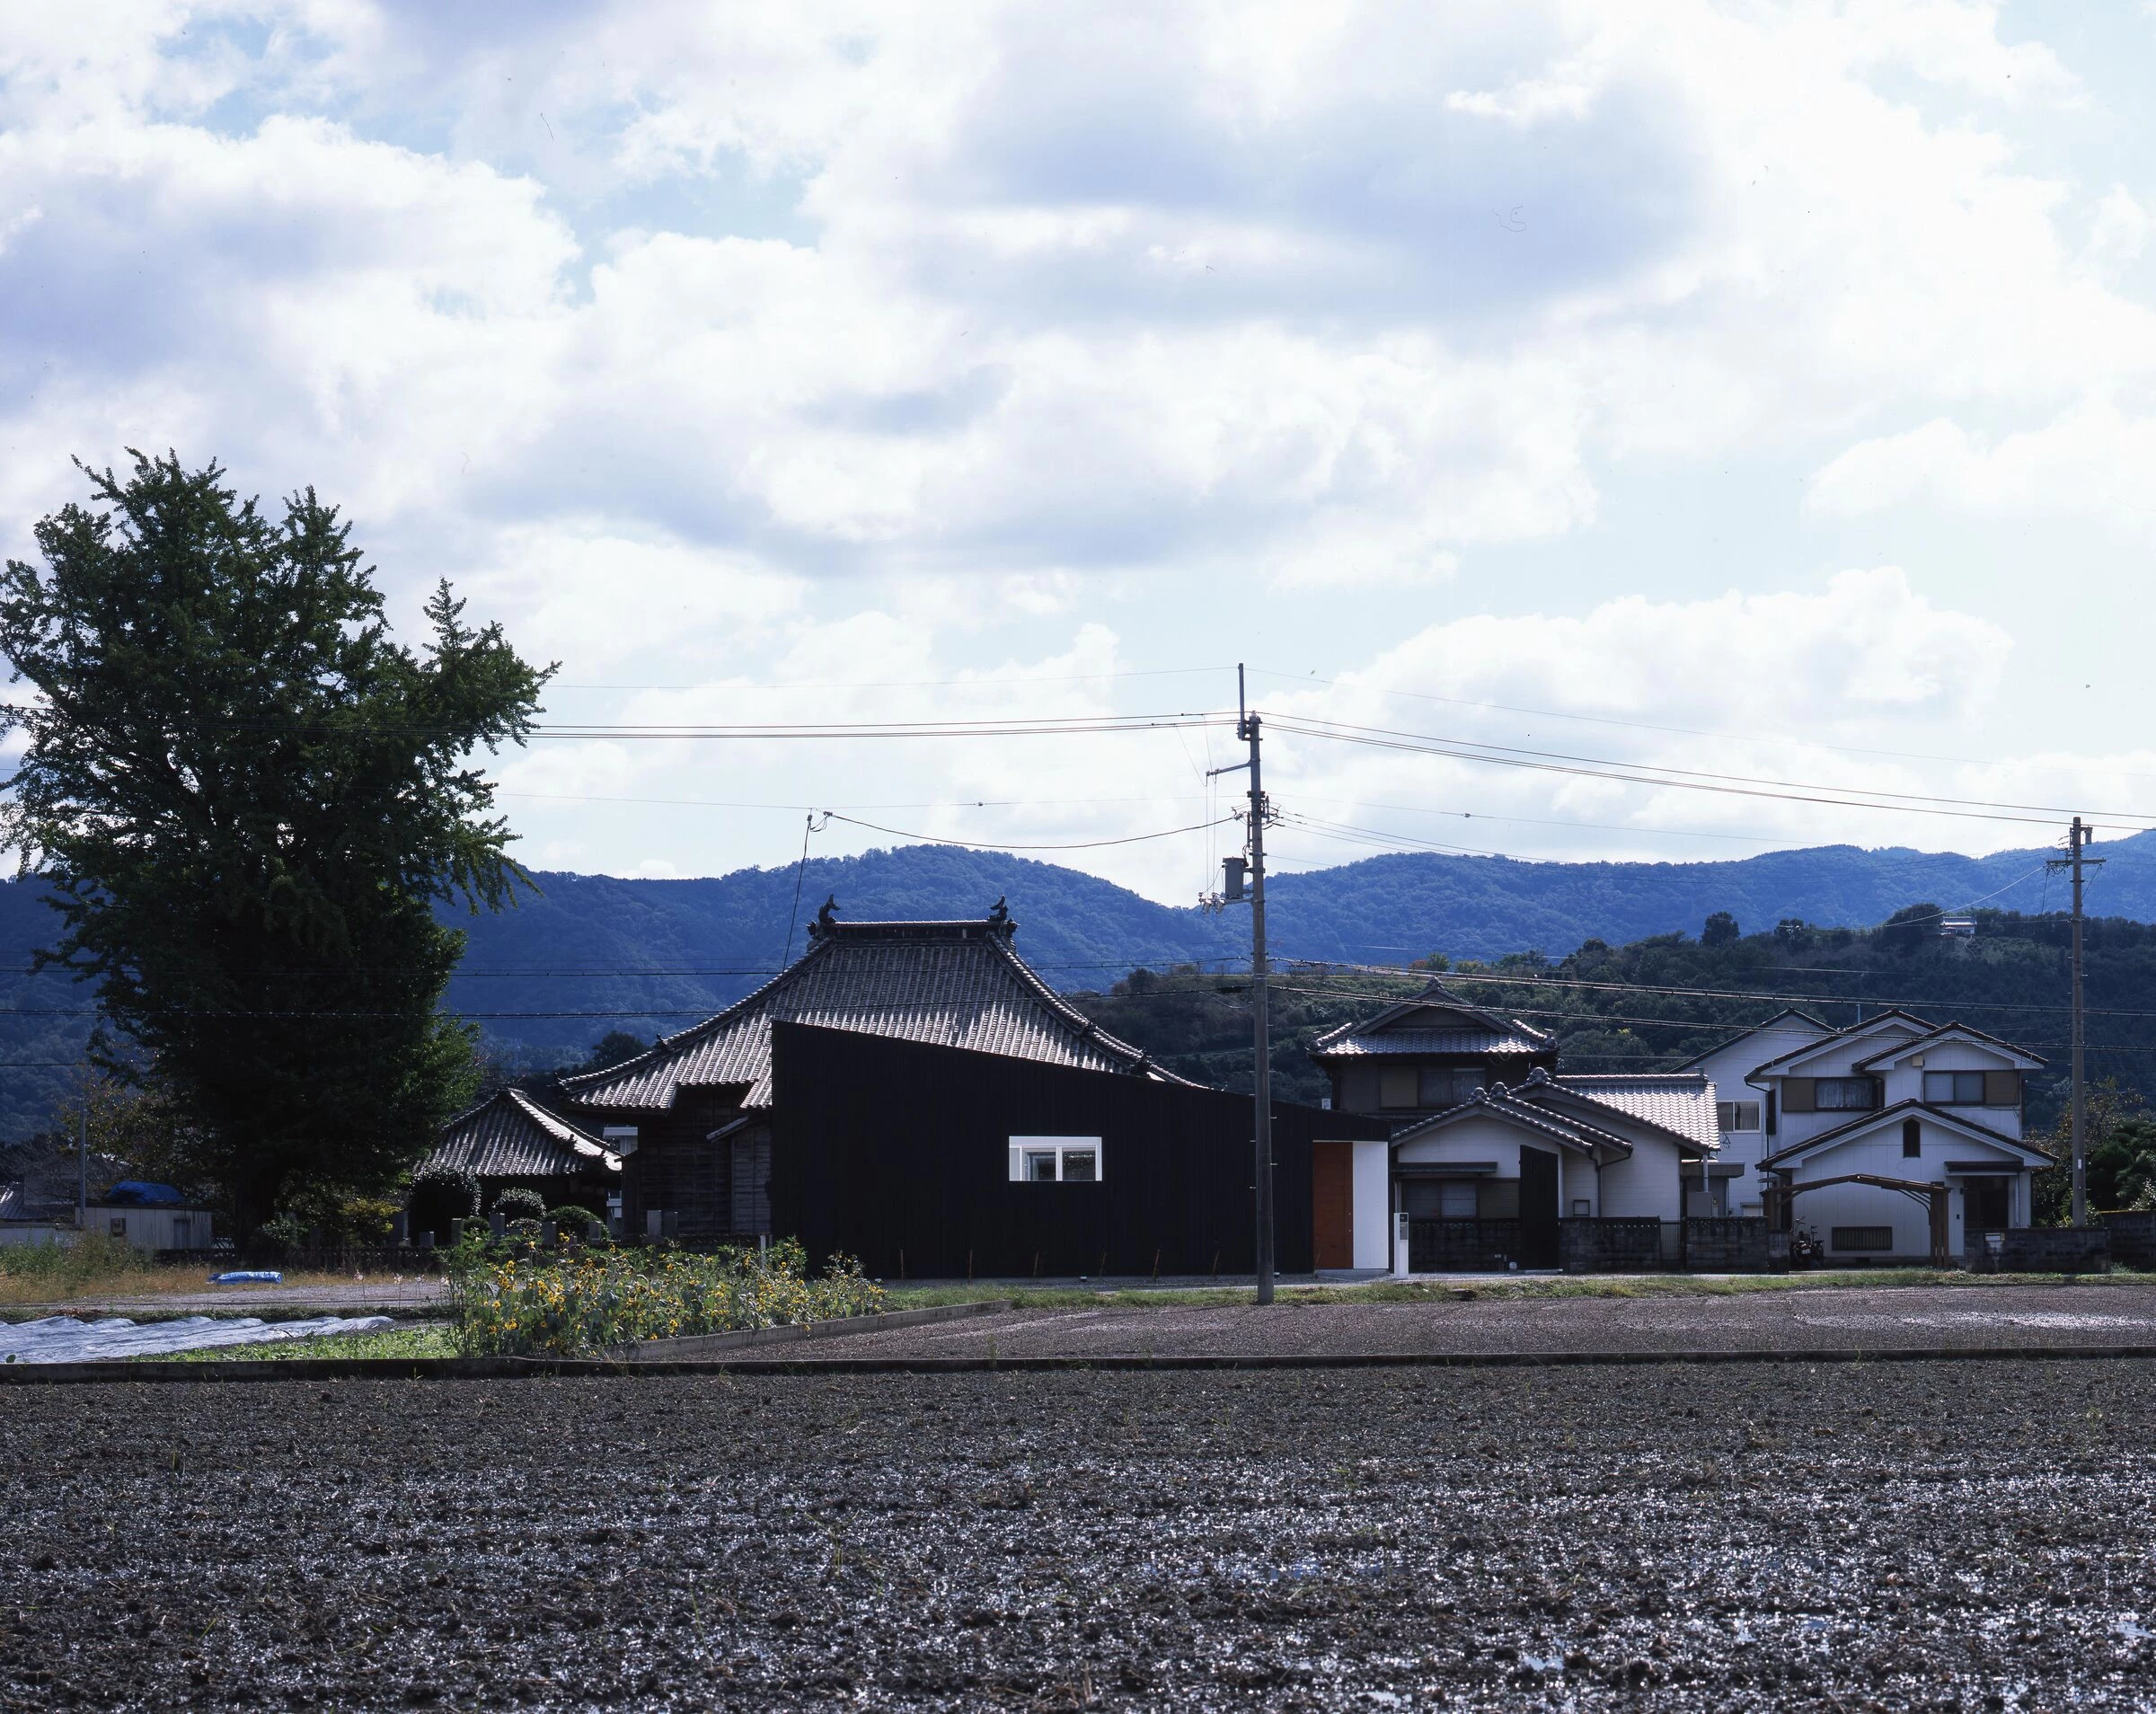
(1500, 1103)
(956, 984)
(1431, 1041)
(1679, 1102)
(512, 1136)
(1435, 1021)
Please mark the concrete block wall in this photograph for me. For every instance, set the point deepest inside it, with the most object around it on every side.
(1622, 1246)
(2044, 1250)
(2133, 1238)
(1735, 1245)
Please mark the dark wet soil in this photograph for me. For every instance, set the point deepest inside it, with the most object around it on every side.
(1909, 1536)
(1837, 1318)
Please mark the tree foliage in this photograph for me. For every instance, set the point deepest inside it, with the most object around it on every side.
(246, 801)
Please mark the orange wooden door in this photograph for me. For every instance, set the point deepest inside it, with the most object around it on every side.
(1332, 1204)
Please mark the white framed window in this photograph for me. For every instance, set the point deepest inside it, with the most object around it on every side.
(1954, 1088)
(1057, 1159)
(620, 1139)
(1736, 1116)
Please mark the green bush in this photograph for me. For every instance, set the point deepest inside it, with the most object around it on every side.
(440, 1195)
(516, 1203)
(574, 1219)
(575, 1305)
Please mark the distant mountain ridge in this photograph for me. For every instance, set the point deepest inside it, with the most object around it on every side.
(593, 953)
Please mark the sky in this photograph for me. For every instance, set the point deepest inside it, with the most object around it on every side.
(1757, 391)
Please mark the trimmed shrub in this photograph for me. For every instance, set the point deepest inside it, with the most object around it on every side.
(516, 1203)
(573, 1218)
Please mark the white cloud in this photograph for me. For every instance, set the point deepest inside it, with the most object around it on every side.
(1818, 662)
(851, 343)
(2095, 462)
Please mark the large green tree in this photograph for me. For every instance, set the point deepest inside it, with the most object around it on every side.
(248, 801)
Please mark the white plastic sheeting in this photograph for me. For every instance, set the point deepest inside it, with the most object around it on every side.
(62, 1338)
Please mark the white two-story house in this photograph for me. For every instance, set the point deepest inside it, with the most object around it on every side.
(1896, 1098)
(1741, 1111)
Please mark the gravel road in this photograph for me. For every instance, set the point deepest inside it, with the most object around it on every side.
(1913, 1535)
(1842, 1318)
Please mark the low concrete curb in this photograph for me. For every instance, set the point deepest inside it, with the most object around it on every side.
(315, 1369)
(701, 1344)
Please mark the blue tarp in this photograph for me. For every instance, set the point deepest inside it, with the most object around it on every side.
(136, 1193)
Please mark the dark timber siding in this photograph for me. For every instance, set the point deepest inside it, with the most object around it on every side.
(882, 1145)
(676, 1168)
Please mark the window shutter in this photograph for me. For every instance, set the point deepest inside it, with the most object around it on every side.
(1018, 1164)
(2002, 1089)
(1796, 1095)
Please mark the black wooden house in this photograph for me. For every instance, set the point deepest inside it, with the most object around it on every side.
(913, 1093)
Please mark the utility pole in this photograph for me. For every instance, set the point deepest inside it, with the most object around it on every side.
(2075, 862)
(82, 1170)
(1261, 1032)
(1241, 871)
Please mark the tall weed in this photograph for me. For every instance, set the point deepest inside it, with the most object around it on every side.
(579, 1303)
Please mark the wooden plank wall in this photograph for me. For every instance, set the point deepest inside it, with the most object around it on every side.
(882, 1146)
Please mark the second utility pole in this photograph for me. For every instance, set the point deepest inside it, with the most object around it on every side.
(1262, 1031)
(2077, 842)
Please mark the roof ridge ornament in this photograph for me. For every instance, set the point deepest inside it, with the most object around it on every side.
(827, 918)
(999, 913)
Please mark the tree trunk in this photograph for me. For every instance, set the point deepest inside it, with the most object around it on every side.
(253, 1203)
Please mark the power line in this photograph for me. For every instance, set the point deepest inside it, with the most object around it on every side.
(982, 845)
(913, 684)
(1646, 726)
(1508, 979)
(1683, 779)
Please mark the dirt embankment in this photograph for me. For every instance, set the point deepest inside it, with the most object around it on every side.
(1913, 1535)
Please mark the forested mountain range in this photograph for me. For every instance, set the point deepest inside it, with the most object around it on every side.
(1655, 1003)
(589, 954)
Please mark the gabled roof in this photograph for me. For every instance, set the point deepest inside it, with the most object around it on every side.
(1894, 1017)
(950, 984)
(1681, 1103)
(1894, 1115)
(509, 1135)
(1959, 1031)
(1435, 1021)
(1500, 1103)
(1787, 1012)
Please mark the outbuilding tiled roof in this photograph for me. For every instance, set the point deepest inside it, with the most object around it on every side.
(952, 984)
(1679, 1102)
(1435, 1021)
(511, 1136)
(1500, 1103)
(1365, 1044)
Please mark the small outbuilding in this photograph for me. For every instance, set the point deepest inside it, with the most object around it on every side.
(510, 1140)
